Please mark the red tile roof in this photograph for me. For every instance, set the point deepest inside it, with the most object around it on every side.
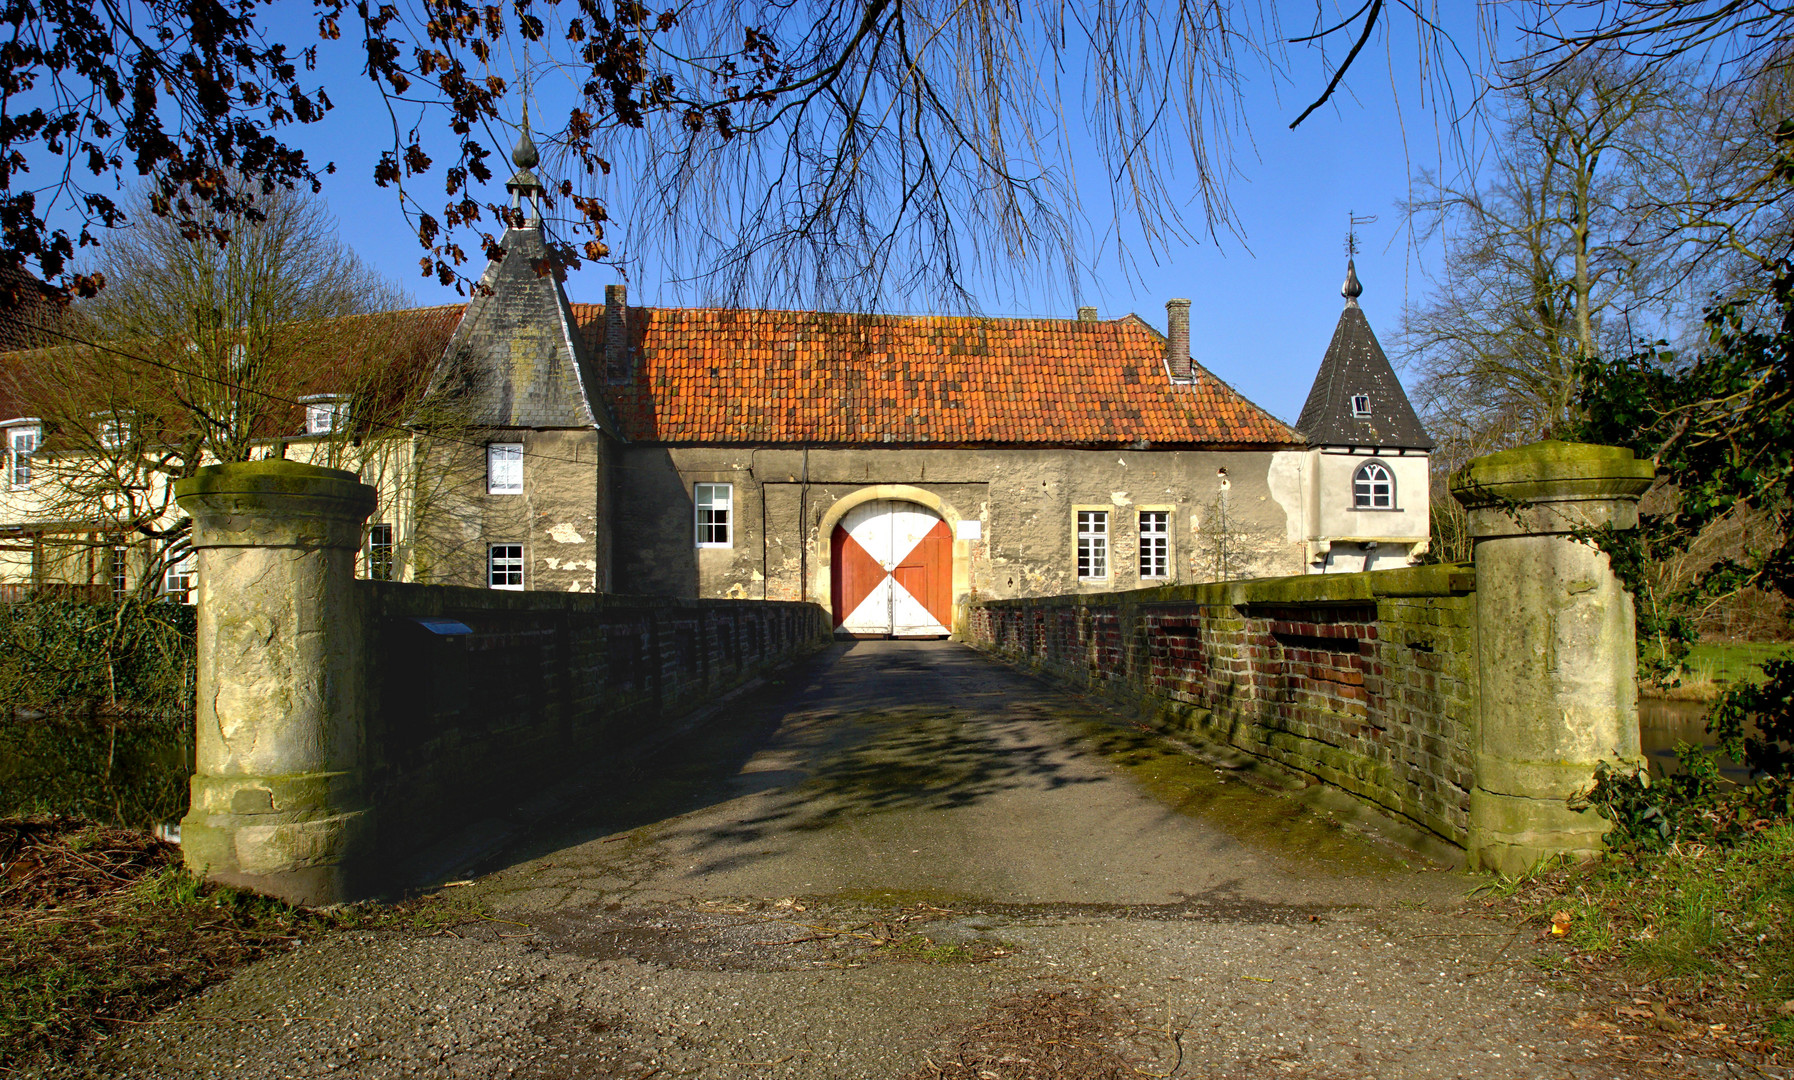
(731, 376)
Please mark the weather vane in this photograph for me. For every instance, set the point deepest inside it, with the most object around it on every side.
(1354, 220)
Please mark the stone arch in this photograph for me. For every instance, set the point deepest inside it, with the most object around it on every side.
(821, 579)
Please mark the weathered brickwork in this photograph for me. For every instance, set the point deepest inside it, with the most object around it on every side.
(463, 724)
(1364, 681)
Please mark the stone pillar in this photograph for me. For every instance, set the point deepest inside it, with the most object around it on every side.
(278, 803)
(1556, 653)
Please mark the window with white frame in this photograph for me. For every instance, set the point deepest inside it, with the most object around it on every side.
(118, 564)
(325, 413)
(1093, 545)
(180, 579)
(1360, 404)
(1155, 543)
(504, 566)
(716, 505)
(113, 432)
(1373, 488)
(380, 548)
(504, 469)
(21, 443)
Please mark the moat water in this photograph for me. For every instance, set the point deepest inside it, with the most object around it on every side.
(1663, 724)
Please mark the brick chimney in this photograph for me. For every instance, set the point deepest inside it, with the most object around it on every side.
(1086, 314)
(1177, 339)
(616, 333)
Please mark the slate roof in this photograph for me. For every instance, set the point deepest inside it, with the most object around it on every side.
(1355, 364)
(516, 360)
(793, 377)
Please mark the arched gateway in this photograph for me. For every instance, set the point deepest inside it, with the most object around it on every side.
(891, 571)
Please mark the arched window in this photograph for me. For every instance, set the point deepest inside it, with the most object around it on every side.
(1373, 488)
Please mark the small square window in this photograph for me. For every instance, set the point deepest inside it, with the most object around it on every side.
(1360, 404)
(504, 469)
(504, 566)
(325, 413)
(1093, 545)
(21, 444)
(380, 547)
(1155, 543)
(715, 503)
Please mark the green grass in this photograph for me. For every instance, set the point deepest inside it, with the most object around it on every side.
(1712, 666)
(1711, 923)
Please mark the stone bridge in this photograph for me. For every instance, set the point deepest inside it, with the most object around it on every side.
(701, 839)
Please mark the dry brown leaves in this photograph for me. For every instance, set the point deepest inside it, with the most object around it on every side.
(1046, 1035)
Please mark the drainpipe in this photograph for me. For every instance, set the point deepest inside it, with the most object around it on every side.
(803, 532)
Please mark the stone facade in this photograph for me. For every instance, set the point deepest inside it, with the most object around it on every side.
(1021, 503)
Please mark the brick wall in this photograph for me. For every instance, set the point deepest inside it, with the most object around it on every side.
(1364, 681)
(461, 725)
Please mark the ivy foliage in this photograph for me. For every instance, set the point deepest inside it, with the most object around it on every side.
(96, 709)
(1720, 430)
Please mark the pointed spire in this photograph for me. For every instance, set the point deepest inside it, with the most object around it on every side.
(1351, 290)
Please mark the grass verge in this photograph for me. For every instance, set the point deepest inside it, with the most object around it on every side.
(1695, 942)
(101, 927)
(1711, 667)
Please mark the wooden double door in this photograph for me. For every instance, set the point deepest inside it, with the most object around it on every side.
(892, 571)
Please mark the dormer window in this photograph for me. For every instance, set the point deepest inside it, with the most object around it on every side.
(325, 413)
(110, 429)
(1360, 404)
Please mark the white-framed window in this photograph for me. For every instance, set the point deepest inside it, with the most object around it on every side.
(1093, 545)
(118, 566)
(716, 506)
(325, 413)
(113, 432)
(1155, 543)
(380, 549)
(21, 443)
(504, 566)
(1360, 404)
(181, 579)
(1373, 487)
(504, 469)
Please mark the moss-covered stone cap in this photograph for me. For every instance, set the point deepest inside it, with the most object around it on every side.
(1552, 470)
(274, 477)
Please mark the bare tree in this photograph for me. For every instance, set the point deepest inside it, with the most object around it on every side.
(200, 353)
(1540, 266)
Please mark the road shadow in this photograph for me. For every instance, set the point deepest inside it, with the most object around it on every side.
(859, 729)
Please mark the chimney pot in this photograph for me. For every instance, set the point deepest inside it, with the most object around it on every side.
(1177, 338)
(1086, 314)
(616, 333)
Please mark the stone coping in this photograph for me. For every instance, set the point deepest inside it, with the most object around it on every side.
(1446, 579)
(411, 598)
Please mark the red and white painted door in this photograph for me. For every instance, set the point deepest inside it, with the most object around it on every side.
(892, 571)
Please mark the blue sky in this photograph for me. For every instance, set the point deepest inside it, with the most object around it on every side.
(1263, 304)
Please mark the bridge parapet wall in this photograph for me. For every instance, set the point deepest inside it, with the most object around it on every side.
(1364, 681)
(346, 725)
(1473, 700)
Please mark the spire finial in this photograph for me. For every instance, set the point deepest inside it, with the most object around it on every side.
(1352, 289)
(525, 155)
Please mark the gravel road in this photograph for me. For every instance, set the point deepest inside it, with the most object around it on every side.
(906, 861)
